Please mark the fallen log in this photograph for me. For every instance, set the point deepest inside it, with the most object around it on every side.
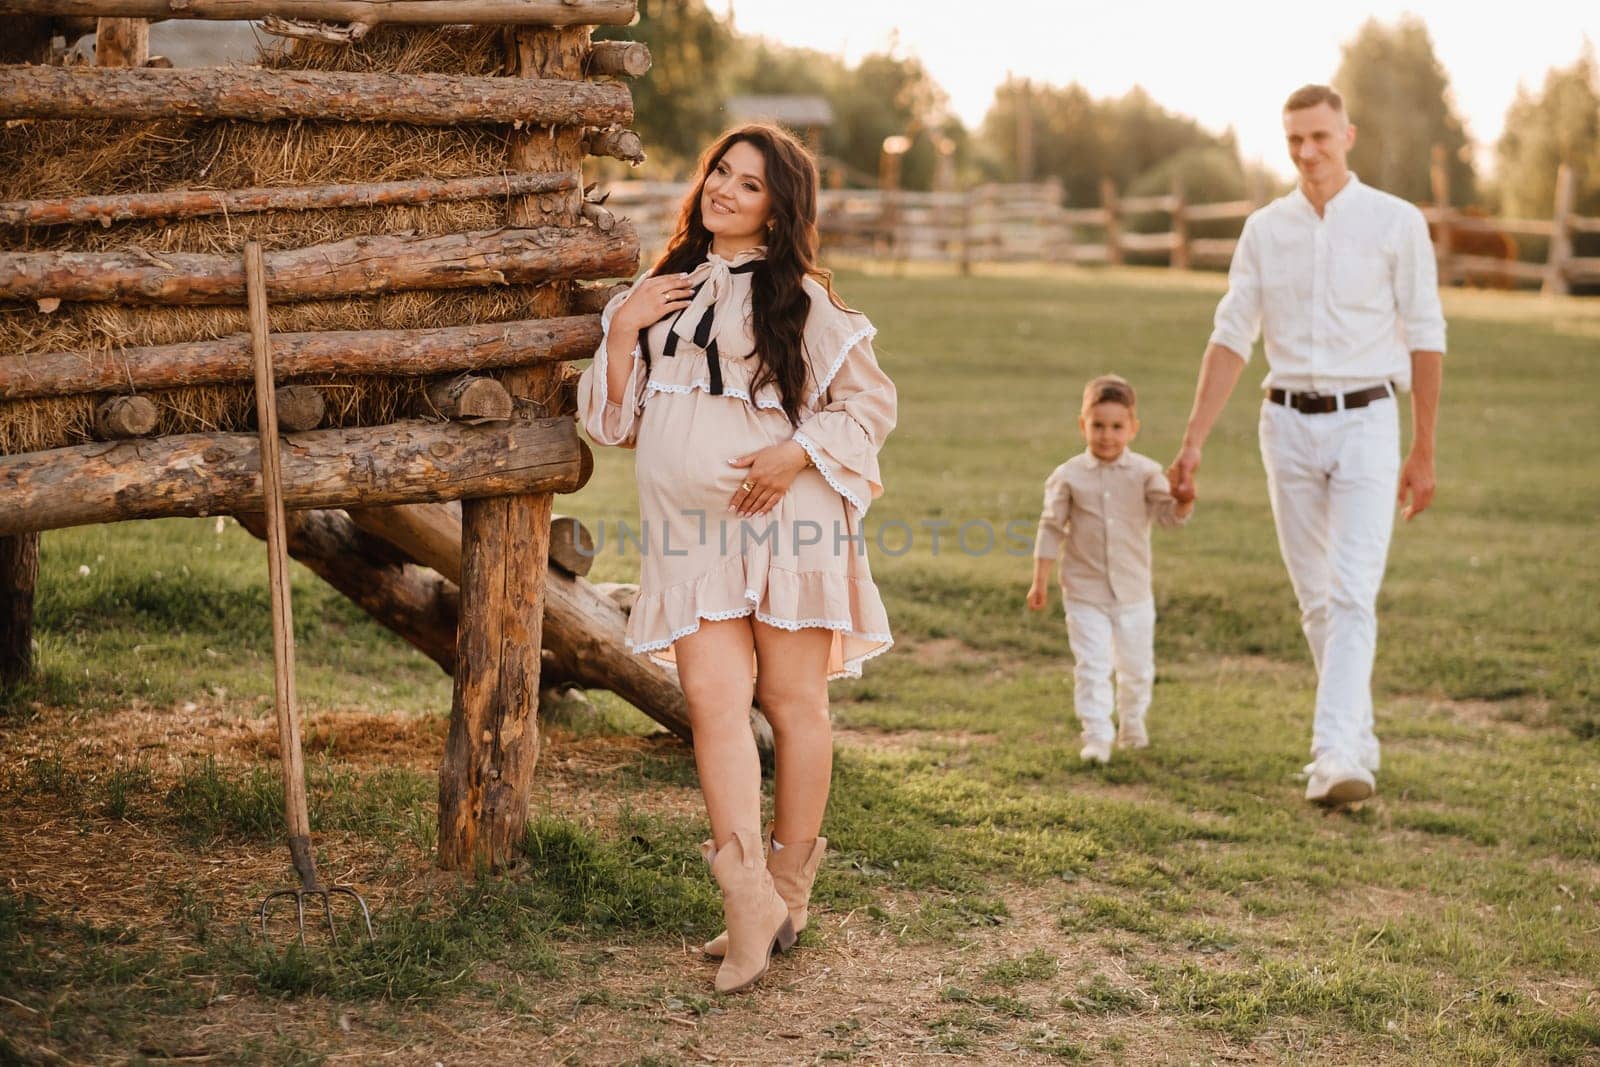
(196, 203)
(373, 12)
(211, 474)
(414, 602)
(242, 93)
(401, 353)
(355, 267)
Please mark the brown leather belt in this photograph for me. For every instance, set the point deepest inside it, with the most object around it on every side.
(1323, 403)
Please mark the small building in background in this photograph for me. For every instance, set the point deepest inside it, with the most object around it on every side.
(805, 116)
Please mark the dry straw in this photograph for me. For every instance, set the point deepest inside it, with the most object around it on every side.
(58, 159)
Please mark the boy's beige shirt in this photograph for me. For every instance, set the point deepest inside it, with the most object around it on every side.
(1096, 520)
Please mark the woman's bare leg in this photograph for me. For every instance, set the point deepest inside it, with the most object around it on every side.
(714, 668)
(792, 684)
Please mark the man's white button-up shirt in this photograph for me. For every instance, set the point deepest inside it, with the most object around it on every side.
(1343, 298)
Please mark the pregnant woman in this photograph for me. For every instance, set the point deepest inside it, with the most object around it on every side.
(757, 409)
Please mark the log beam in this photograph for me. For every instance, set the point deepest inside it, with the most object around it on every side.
(395, 12)
(571, 545)
(212, 474)
(300, 408)
(399, 353)
(252, 95)
(469, 398)
(19, 575)
(619, 59)
(124, 417)
(358, 266)
(618, 144)
(199, 203)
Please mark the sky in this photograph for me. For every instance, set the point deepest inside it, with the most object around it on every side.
(1225, 64)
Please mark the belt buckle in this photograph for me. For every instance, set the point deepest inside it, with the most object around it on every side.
(1309, 402)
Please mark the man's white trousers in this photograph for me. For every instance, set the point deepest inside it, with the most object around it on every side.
(1107, 638)
(1332, 479)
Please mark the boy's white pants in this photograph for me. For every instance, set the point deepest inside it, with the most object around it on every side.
(1332, 478)
(1107, 638)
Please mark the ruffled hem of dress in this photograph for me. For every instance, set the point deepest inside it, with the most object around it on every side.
(789, 600)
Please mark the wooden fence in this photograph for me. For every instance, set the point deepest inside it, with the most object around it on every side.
(1030, 223)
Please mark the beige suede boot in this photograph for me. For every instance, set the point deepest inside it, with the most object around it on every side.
(756, 916)
(794, 870)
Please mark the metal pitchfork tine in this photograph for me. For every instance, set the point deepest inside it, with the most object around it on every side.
(291, 757)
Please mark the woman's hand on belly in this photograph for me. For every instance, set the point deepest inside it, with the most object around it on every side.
(768, 475)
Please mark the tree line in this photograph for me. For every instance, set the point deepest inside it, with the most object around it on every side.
(1396, 90)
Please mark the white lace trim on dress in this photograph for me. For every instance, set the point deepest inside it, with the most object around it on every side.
(653, 386)
(838, 361)
(827, 472)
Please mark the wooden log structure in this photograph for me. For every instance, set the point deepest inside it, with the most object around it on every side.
(619, 59)
(1113, 221)
(219, 473)
(147, 94)
(403, 353)
(571, 545)
(357, 266)
(469, 398)
(372, 12)
(592, 299)
(1555, 281)
(19, 575)
(1180, 225)
(124, 417)
(198, 203)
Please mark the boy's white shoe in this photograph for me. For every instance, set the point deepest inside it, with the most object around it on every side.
(1334, 781)
(1132, 734)
(1096, 750)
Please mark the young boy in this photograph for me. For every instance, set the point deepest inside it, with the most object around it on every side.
(1098, 507)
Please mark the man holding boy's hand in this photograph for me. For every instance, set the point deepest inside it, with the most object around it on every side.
(1341, 280)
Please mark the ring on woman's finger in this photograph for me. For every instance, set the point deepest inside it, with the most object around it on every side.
(747, 486)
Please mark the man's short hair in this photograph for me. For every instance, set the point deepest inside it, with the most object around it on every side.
(1109, 389)
(1312, 95)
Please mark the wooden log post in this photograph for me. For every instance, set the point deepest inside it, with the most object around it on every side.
(486, 775)
(401, 353)
(19, 575)
(372, 12)
(146, 94)
(124, 417)
(1555, 271)
(469, 398)
(1443, 226)
(121, 43)
(1108, 202)
(219, 474)
(1180, 225)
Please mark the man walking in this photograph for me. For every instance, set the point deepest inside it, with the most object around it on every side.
(1340, 279)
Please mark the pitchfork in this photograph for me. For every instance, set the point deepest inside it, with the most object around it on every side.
(292, 758)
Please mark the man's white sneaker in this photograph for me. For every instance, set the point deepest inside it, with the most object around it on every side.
(1096, 751)
(1132, 734)
(1336, 782)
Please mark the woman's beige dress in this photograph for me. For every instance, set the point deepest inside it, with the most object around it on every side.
(803, 564)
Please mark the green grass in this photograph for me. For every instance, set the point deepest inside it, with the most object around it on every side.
(1453, 920)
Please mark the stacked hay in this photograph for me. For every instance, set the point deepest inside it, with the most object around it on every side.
(60, 159)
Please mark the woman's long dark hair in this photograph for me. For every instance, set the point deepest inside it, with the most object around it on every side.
(779, 304)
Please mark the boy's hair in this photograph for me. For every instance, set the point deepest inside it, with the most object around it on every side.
(1312, 95)
(1110, 389)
